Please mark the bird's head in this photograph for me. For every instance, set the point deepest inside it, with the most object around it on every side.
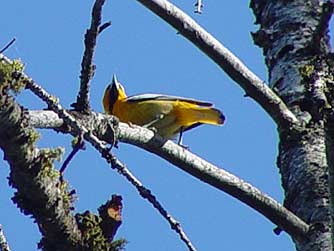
(115, 91)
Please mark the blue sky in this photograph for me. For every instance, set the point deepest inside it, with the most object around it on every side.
(149, 56)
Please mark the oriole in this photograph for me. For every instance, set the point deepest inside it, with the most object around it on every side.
(168, 115)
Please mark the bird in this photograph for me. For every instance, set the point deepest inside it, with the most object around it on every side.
(167, 115)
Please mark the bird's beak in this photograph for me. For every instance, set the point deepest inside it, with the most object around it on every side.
(114, 80)
(116, 88)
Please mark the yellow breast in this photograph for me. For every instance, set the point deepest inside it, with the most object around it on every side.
(141, 113)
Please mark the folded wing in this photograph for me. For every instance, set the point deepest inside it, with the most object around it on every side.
(157, 97)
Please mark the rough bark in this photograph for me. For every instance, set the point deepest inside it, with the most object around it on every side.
(40, 192)
(293, 35)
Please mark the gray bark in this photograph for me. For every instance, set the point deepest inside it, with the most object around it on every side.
(293, 35)
(294, 38)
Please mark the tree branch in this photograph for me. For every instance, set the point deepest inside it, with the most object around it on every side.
(7, 46)
(191, 164)
(87, 67)
(252, 84)
(38, 190)
(294, 38)
(79, 145)
(214, 176)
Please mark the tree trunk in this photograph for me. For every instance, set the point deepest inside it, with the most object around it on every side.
(295, 43)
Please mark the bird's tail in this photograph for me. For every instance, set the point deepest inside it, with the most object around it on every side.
(202, 115)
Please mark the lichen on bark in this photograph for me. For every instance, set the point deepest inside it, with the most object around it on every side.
(295, 42)
(39, 192)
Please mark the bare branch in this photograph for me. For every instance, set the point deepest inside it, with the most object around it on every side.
(7, 46)
(147, 194)
(103, 148)
(215, 176)
(252, 84)
(45, 119)
(87, 67)
(80, 145)
(195, 166)
(104, 26)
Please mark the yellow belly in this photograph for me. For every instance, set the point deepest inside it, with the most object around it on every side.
(141, 113)
(167, 117)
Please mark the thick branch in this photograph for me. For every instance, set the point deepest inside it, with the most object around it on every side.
(214, 176)
(252, 84)
(193, 165)
(295, 42)
(39, 192)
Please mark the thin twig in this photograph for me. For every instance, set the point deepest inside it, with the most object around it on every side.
(78, 146)
(103, 148)
(199, 6)
(8, 45)
(3, 242)
(147, 194)
(87, 67)
(104, 26)
(252, 84)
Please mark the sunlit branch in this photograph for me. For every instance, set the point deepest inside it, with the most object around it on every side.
(194, 165)
(252, 84)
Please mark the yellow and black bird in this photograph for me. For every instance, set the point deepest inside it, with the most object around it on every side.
(168, 115)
